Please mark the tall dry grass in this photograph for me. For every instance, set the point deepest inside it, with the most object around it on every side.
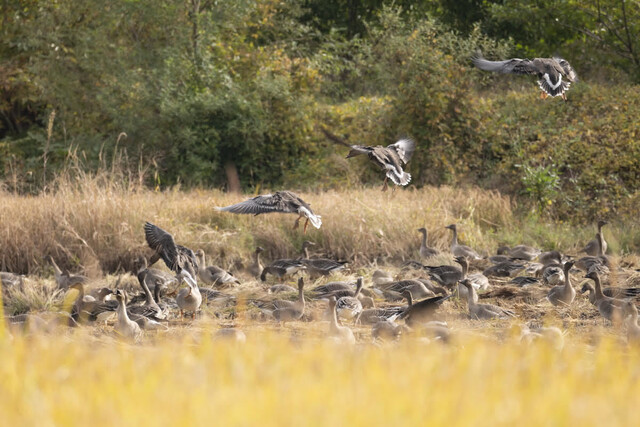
(95, 223)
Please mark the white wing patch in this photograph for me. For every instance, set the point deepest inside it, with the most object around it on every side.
(551, 85)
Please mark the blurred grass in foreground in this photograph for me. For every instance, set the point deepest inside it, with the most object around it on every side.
(280, 379)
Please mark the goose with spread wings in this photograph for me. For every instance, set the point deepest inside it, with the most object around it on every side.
(391, 158)
(555, 75)
(178, 258)
(280, 201)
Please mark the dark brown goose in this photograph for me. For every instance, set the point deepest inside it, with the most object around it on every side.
(423, 311)
(176, 257)
(613, 292)
(319, 266)
(280, 201)
(555, 75)
(281, 268)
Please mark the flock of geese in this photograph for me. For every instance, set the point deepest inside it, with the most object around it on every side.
(392, 306)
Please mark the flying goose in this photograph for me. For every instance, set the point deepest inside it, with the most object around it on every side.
(319, 266)
(555, 75)
(390, 158)
(280, 201)
(213, 275)
(597, 246)
(256, 266)
(339, 332)
(426, 251)
(177, 258)
(563, 295)
(126, 327)
(461, 250)
(483, 311)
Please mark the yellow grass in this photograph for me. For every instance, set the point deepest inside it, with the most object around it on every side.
(273, 379)
(97, 227)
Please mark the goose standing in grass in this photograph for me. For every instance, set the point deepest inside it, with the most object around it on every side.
(288, 311)
(350, 307)
(337, 331)
(483, 311)
(390, 158)
(630, 313)
(522, 252)
(609, 308)
(597, 246)
(177, 258)
(255, 268)
(426, 252)
(213, 275)
(64, 279)
(416, 287)
(319, 266)
(126, 327)
(189, 299)
(613, 292)
(422, 311)
(282, 267)
(150, 309)
(563, 295)
(280, 201)
(153, 275)
(458, 249)
(552, 272)
(479, 282)
(555, 75)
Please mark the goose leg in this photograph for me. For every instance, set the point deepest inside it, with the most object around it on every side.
(543, 95)
(385, 186)
(306, 224)
(297, 223)
(564, 97)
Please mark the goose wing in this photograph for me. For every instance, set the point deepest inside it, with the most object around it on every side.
(260, 204)
(404, 148)
(163, 243)
(513, 66)
(567, 69)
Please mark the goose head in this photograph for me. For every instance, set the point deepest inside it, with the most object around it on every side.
(602, 223)
(587, 287)
(451, 227)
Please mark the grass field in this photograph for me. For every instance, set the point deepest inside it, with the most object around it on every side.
(294, 374)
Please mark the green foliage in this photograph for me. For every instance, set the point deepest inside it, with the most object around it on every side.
(541, 183)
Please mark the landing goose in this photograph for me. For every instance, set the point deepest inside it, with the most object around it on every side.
(280, 201)
(555, 75)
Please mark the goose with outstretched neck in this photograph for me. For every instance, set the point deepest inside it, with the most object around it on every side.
(563, 295)
(125, 327)
(426, 252)
(337, 331)
(483, 311)
(190, 298)
(458, 249)
(609, 308)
